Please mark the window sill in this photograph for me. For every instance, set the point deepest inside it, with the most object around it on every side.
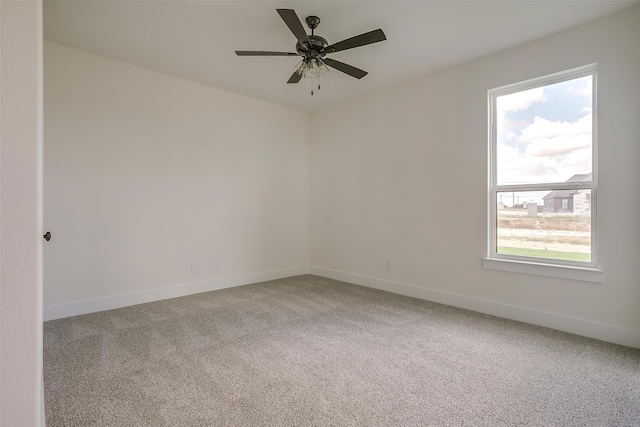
(550, 270)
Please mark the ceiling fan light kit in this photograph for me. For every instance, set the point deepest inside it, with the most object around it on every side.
(311, 68)
(313, 49)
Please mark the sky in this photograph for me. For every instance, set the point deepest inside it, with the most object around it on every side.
(544, 135)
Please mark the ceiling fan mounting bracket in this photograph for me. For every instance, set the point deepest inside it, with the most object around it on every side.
(312, 22)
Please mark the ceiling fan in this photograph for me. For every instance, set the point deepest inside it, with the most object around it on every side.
(313, 49)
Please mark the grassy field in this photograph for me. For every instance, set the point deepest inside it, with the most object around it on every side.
(543, 253)
(517, 218)
(566, 236)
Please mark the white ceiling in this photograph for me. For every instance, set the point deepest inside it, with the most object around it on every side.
(196, 40)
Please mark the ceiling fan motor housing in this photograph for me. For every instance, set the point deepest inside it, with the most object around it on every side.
(317, 47)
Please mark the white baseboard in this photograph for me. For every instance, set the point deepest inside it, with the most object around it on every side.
(53, 312)
(586, 328)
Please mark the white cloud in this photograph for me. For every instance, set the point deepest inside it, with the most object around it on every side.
(545, 138)
(519, 101)
(517, 168)
(514, 102)
(548, 151)
(545, 150)
(582, 86)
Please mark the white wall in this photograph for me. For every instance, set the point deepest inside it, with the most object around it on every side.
(20, 213)
(147, 173)
(402, 176)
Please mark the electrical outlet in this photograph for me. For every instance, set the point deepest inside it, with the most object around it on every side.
(388, 265)
(217, 266)
(193, 268)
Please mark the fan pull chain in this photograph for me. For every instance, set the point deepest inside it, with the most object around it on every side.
(313, 84)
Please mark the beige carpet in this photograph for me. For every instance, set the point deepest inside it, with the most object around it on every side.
(313, 351)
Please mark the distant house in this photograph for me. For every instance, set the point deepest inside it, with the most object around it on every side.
(569, 201)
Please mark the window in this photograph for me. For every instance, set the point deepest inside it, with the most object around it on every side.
(542, 171)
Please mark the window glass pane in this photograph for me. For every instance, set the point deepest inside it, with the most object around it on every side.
(545, 224)
(545, 134)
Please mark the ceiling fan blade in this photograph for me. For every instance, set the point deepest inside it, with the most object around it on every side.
(263, 53)
(293, 22)
(374, 36)
(345, 68)
(295, 77)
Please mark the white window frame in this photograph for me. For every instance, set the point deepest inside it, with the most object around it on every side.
(586, 271)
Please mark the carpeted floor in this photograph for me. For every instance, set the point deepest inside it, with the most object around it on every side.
(313, 351)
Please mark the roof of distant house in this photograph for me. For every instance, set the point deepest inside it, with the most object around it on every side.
(567, 193)
(581, 177)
